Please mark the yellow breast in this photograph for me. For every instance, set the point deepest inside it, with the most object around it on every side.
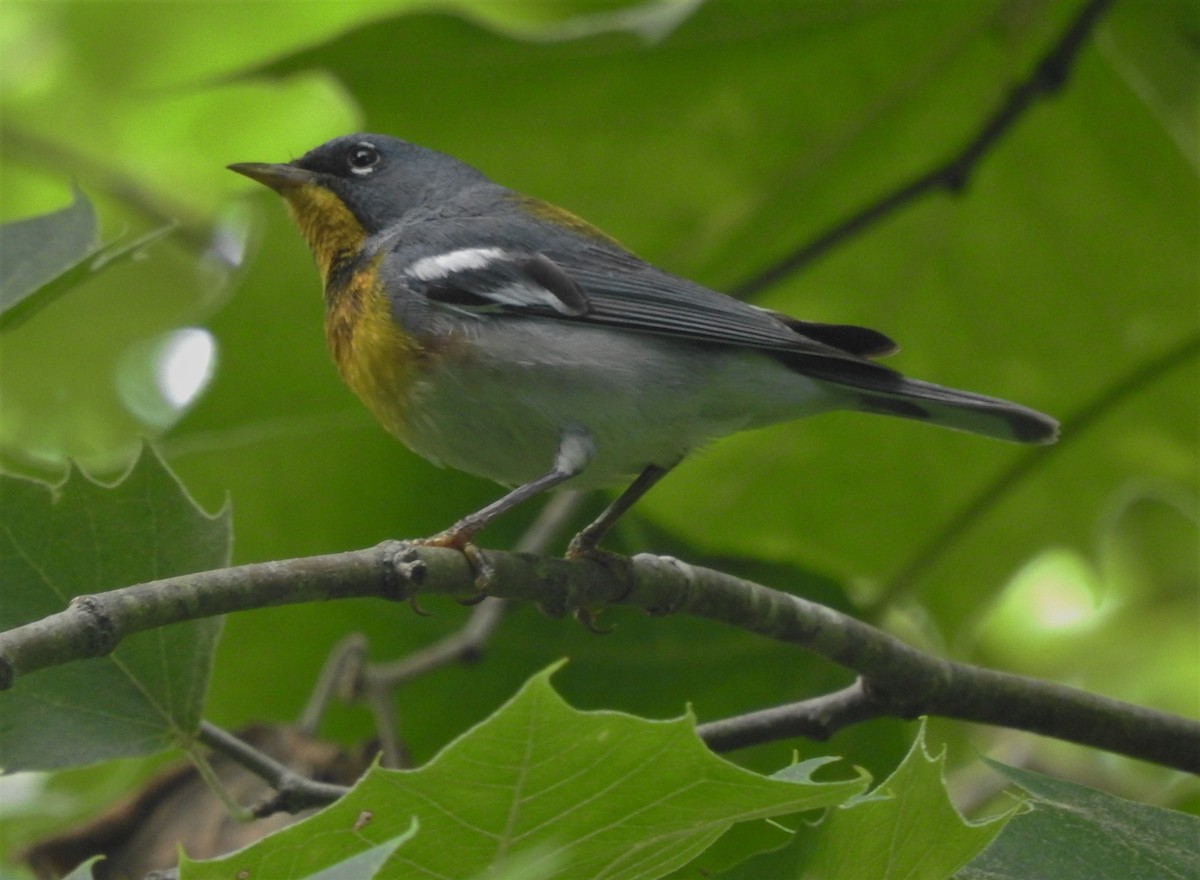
(376, 358)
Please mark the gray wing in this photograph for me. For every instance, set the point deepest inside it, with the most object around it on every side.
(615, 289)
(656, 302)
(608, 287)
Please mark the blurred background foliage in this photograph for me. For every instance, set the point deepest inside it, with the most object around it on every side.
(712, 138)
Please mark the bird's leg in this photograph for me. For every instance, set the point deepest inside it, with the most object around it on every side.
(575, 451)
(585, 542)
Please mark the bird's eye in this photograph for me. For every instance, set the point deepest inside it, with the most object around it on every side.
(363, 158)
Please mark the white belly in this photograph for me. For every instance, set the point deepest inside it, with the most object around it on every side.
(499, 410)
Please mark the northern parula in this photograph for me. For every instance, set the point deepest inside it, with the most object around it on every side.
(506, 337)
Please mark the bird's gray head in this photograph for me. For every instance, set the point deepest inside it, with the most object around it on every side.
(377, 178)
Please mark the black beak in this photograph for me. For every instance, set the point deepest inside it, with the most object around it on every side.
(278, 177)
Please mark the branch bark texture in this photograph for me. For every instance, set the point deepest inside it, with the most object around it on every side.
(895, 679)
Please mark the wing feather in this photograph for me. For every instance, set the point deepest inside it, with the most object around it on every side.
(608, 287)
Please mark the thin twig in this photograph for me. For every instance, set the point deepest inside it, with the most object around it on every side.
(816, 719)
(348, 675)
(1046, 79)
(293, 791)
(378, 681)
(336, 679)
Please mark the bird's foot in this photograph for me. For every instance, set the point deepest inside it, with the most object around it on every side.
(587, 617)
(462, 540)
(583, 547)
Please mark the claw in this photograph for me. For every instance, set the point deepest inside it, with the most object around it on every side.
(485, 573)
(585, 616)
(617, 562)
(580, 547)
(454, 538)
(459, 539)
(583, 546)
(620, 566)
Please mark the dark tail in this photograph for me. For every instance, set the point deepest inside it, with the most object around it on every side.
(879, 389)
(961, 410)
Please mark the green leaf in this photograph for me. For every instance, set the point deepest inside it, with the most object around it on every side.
(82, 537)
(532, 865)
(905, 828)
(96, 262)
(44, 257)
(1077, 833)
(1138, 587)
(362, 865)
(34, 252)
(1152, 48)
(596, 794)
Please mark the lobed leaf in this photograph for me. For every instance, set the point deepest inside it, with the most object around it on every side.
(906, 828)
(567, 794)
(1077, 833)
(83, 537)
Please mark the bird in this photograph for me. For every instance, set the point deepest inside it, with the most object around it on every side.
(500, 335)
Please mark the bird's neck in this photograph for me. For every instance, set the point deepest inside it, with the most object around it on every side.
(332, 232)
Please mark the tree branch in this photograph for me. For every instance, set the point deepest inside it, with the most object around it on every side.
(349, 674)
(816, 719)
(293, 791)
(899, 679)
(467, 644)
(952, 175)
